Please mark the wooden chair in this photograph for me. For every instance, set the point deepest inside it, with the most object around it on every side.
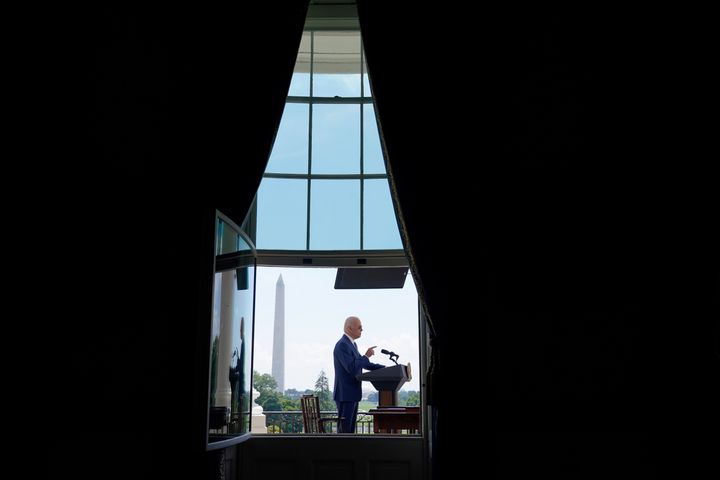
(310, 406)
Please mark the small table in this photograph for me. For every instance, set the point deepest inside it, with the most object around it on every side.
(393, 419)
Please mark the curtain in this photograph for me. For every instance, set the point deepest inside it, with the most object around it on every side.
(162, 115)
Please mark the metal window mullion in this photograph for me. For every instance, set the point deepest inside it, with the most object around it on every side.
(330, 100)
(328, 176)
(362, 156)
(310, 125)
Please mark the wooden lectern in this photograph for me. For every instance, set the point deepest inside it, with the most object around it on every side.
(388, 381)
(389, 417)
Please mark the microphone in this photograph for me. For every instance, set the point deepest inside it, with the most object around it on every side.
(393, 356)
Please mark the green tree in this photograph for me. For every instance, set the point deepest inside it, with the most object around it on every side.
(292, 393)
(270, 400)
(321, 384)
(290, 403)
(413, 399)
(264, 383)
(322, 390)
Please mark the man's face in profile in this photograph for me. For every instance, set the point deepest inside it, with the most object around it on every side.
(355, 329)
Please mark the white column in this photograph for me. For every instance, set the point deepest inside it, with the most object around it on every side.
(257, 424)
(223, 393)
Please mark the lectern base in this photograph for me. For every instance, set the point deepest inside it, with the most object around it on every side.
(387, 398)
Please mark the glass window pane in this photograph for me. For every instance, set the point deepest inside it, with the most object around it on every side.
(336, 85)
(336, 139)
(335, 215)
(282, 214)
(300, 85)
(336, 64)
(220, 227)
(372, 152)
(302, 64)
(231, 352)
(242, 244)
(290, 151)
(366, 82)
(228, 240)
(380, 228)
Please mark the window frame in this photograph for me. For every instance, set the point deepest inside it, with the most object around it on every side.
(251, 221)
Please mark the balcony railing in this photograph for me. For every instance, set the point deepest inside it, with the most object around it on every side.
(290, 421)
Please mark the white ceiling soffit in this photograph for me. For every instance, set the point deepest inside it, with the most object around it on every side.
(332, 17)
(336, 38)
(334, 52)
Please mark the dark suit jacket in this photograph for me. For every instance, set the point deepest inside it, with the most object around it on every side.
(348, 364)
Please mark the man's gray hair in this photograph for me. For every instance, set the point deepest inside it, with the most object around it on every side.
(348, 321)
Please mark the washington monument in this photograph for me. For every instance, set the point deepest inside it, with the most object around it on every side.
(278, 353)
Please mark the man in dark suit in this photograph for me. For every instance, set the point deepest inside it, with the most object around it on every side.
(348, 364)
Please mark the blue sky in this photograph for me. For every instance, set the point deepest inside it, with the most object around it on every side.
(314, 316)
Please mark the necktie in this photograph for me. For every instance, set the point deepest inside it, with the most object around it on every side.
(355, 345)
